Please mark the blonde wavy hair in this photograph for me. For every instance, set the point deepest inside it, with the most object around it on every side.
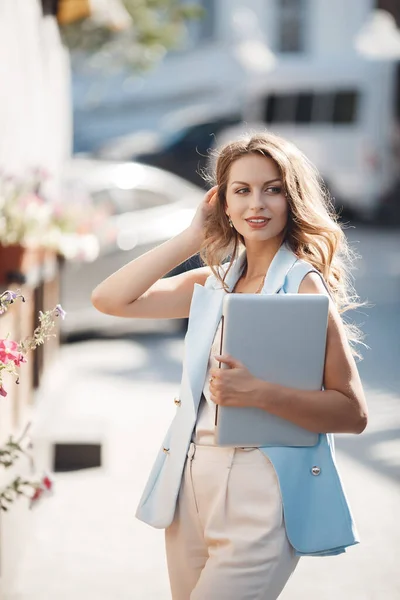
(312, 232)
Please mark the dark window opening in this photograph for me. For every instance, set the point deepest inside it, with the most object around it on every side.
(344, 107)
(307, 107)
(322, 109)
(291, 25)
(304, 108)
(270, 109)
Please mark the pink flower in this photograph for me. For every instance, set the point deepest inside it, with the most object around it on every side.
(38, 493)
(47, 483)
(44, 488)
(3, 391)
(9, 353)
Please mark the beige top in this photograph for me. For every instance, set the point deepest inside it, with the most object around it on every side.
(203, 434)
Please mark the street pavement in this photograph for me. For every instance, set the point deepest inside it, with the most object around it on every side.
(85, 543)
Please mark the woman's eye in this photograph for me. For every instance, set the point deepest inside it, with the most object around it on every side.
(242, 191)
(274, 190)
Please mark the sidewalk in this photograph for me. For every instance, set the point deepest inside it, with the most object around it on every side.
(86, 543)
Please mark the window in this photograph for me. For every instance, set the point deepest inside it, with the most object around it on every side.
(307, 107)
(304, 108)
(270, 109)
(281, 108)
(322, 109)
(291, 25)
(344, 107)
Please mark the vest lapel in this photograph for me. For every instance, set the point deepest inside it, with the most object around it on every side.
(205, 314)
(280, 266)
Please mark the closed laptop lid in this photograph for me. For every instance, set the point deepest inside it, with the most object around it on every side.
(280, 338)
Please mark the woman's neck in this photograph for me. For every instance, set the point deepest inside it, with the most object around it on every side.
(259, 258)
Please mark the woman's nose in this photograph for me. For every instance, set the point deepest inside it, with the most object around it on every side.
(256, 200)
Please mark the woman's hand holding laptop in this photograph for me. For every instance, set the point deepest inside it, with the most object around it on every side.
(235, 385)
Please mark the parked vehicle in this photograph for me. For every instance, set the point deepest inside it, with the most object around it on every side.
(146, 206)
(344, 116)
(181, 145)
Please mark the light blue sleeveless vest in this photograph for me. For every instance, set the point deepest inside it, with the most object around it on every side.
(317, 515)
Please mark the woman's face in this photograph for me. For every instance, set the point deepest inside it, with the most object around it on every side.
(255, 198)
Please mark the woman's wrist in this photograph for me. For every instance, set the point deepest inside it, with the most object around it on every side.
(261, 394)
(195, 237)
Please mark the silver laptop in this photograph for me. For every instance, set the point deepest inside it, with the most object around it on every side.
(280, 338)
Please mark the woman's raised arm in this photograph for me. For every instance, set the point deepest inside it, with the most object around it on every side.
(138, 289)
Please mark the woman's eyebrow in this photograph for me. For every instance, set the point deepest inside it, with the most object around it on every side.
(265, 183)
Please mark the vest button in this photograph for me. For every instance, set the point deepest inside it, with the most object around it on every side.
(165, 450)
(315, 470)
(177, 402)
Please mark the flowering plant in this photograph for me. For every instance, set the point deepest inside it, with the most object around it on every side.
(12, 355)
(24, 215)
(34, 489)
(29, 218)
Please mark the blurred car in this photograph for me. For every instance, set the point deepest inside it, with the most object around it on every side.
(145, 206)
(181, 145)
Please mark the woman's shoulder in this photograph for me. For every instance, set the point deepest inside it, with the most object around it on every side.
(303, 275)
(308, 279)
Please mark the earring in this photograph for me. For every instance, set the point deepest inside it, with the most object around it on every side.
(230, 221)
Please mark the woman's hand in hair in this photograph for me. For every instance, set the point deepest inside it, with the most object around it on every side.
(204, 209)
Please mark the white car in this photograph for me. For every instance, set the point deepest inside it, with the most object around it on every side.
(146, 206)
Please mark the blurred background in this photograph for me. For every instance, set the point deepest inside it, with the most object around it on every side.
(109, 115)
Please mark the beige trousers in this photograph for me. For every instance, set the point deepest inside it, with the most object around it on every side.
(228, 539)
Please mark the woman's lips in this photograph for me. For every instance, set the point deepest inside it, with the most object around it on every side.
(257, 222)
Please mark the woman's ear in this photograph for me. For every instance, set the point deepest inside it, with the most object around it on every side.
(226, 209)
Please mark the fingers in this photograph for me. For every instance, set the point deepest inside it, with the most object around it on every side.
(217, 374)
(218, 386)
(211, 194)
(214, 383)
(228, 360)
(219, 398)
(214, 399)
(215, 391)
(214, 373)
(219, 391)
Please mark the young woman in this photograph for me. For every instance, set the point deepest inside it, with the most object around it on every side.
(237, 519)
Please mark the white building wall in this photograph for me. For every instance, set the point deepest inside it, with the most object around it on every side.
(334, 25)
(35, 104)
(35, 132)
